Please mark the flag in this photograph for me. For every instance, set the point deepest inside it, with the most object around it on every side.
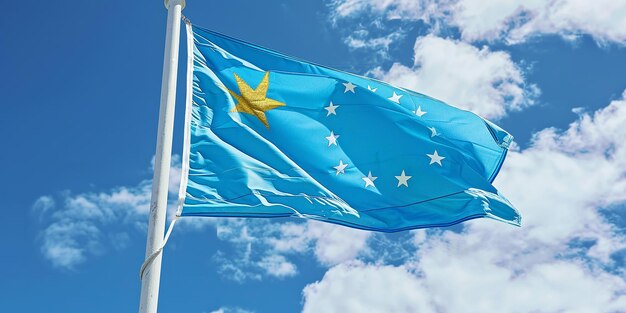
(269, 135)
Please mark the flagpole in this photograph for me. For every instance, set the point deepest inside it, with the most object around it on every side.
(158, 203)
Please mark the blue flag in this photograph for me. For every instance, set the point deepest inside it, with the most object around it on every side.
(269, 135)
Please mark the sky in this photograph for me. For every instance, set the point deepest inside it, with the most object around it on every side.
(79, 109)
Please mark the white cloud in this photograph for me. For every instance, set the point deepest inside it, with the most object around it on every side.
(380, 45)
(510, 20)
(331, 244)
(74, 230)
(564, 258)
(175, 175)
(335, 244)
(582, 170)
(262, 247)
(514, 277)
(480, 80)
(43, 204)
(277, 265)
(252, 257)
(449, 282)
(359, 288)
(231, 310)
(393, 9)
(516, 20)
(66, 244)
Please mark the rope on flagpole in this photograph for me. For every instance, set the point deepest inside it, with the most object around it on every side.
(156, 253)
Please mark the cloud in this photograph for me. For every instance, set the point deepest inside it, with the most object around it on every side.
(516, 21)
(567, 257)
(335, 244)
(262, 247)
(231, 310)
(480, 80)
(362, 39)
(392, 9)
(251, 256)
(513, 21)
(278, 266)
(356, 287)
(331, 244)
(577, 175)
(74, 229)
(43, 204)
(453, 284)
(66, 244)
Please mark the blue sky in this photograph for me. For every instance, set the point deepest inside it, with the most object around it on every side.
(79, 113)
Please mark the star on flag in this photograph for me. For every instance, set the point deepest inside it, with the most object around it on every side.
(433, 132)
(419, 111)
(369, 179)
(331, 109)
(403, 179)
(332, 139)
(341, 167)
(254, 101)
(349, 87)
(435, 158)
(395, 97)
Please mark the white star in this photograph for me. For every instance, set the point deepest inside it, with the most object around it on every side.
(395, 98)
(403, 179)
(332, 139)
(331, 109)
(419, 111)
(349, 87)
(369, 180)
(340, 168)
(435, 158)
(372, 89)
(433, 132)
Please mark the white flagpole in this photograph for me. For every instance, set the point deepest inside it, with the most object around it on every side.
(158, 204)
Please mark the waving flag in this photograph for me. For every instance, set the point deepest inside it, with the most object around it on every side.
(268, 135)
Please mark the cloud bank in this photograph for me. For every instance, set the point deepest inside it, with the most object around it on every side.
(486, 82)
(511, 21)
(77, 226)
(567, 257)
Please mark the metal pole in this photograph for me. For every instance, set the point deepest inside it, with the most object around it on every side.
(158, 204)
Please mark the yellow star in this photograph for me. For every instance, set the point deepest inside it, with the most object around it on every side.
(254, 102)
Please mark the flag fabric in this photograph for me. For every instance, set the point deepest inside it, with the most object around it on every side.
(269, 135)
